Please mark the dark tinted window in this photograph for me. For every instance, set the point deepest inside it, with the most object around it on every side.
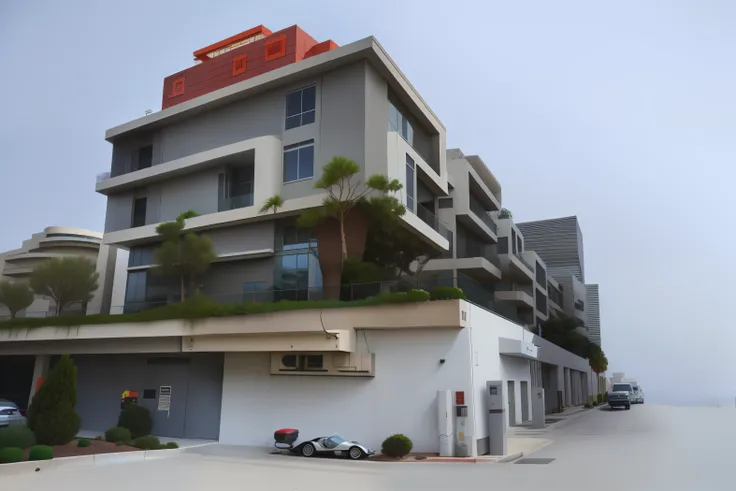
(299, 161)
(139, 212)
(145, 157)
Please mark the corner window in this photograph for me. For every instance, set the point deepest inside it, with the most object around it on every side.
(410, 193)
(139, 212)
(300, 107)
(399, 123)
(299, 161)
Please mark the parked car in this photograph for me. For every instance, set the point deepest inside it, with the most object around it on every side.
(638, 395)
(10, 413)
(621, 395)
(334, 445)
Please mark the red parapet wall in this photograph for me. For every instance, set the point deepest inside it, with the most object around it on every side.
(278, 49)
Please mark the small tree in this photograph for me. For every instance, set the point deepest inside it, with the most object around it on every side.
(272, 204)
(505, 213)
(66, 280)
(183, 256)
(344, 192)
(597, 361)
(52, 416)
(15, 296)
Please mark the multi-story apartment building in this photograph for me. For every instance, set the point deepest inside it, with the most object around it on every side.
(559, 242)
(259, 115)
(56, 242)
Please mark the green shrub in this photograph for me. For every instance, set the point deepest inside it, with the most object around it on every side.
(137, 419)
(119, 444)
(396, 446)
(588, 405)
(10, 455)
(600, 398)
(52, 416)
(418, 296)
(41, 452)
(148, 442)
(605, 397)
(595, 403)
(19, 436)
(83, 443)
(447, 293)
(118, 434)
(172, 445)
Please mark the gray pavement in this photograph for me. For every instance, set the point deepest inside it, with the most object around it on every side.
(647, 448)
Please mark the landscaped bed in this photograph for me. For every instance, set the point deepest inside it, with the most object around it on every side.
(72, 449)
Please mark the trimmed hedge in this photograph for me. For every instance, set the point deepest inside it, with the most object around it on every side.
(448, 293)
(11, 455)
(200, 307)
(118, 434)
(137, 419)
(148, 442)
(172, 445)
(396, 446)
(83, 443)
(41, 452)
(19, 436)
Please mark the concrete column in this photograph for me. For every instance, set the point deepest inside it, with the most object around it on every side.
(567, 389)
(40, 369)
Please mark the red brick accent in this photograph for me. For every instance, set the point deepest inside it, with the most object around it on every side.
(220, 71)
(239, 64)
(320, 48)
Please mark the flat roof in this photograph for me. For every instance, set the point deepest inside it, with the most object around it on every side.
(367, 48)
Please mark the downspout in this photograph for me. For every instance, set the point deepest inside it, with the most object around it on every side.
(472, 391)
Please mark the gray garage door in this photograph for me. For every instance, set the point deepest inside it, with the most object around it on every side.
(184, 393)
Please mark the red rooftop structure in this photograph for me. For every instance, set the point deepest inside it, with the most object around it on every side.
(240, 57)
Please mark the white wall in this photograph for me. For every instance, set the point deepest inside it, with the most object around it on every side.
(401, 398)
(486, 328)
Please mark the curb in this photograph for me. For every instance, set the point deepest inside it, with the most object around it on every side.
(88, 461)
(511, 457)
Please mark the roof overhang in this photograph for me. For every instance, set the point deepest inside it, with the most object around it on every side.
(366, 49)
(518, 348)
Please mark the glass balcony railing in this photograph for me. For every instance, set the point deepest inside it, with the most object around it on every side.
(233, 202)
(516, 288)
(431, 219)
(483, 215)
(473, 249)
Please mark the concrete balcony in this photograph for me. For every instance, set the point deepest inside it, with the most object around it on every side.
(517, 297)
(516, 269)
(480, 269)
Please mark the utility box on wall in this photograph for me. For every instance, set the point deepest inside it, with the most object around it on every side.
(326, 364)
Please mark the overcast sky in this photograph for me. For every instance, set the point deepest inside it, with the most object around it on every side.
(624, 115)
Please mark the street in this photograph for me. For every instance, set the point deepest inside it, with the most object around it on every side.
(646, 448)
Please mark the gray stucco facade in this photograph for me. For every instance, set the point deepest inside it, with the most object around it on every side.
(196, 391)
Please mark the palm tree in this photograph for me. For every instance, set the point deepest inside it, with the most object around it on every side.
(272, 204)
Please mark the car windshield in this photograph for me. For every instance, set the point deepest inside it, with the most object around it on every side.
(336, 440)
(621, 388)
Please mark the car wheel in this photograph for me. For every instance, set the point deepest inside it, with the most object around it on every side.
(308, 450)
(628, 407)
(355, 453)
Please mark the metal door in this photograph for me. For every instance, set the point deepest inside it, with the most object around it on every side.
(524, 402)
(169, 377)
(512, 403)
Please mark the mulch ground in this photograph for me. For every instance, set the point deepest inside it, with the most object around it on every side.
(97, 447)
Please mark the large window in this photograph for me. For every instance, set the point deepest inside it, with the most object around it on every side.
(141, 256)
(410, 190)
(145, 157)
(399, 123)
(299, 161)
(139, 212)
(300, 107)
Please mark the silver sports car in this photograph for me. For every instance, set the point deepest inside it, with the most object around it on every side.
(334, 445)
